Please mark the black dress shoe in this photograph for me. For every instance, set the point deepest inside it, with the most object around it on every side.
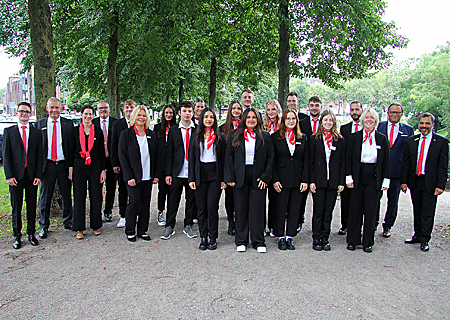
(342, 231)
(350, 247)
(367, 249)
(32, 239)
(326, 245)
(414, 239)
(231, 229)
(386, 232)
(43, 233)
(290, 244)
(317, 245)
(145, 237)
(108, 217)
(17, 243)
(131, 238)
(68, 226)
(282, 244)
(203, 244)
(424, 246)
(212, 244)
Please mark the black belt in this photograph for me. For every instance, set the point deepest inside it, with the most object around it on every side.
(55, 162)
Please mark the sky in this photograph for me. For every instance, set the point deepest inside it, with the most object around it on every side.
(423, 22)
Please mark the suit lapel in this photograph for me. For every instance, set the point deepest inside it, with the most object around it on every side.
(257, 143)
(18, 138)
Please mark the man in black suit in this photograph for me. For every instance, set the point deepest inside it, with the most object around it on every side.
(292, 103)
(105, 123)
(22, 162)
(347, 129)
(118, 127)
(247, 99)
(424, 172)
(56, 132)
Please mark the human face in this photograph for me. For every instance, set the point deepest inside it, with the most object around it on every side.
(291, 121)
(355, 111)
(199, 106)
(236, 110)
(247, 99)
(327, 122)
(292, 102)
(425, 125)
(87, 116)
(103, 110)
(395, 113)
(369, 122)
(315, 108)
(186, 114)
(141, 118)
(128, 109)
(272, 112)
(251, 121)
(208, 119)
(24, 114)
(53, 109)
(168, 114)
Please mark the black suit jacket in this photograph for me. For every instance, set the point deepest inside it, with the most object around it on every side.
(66, 131)
(436, 163)
(353, 158)
(262, 161)
(175, 151)
(318, 163)
(346, 130)
(130, 154)
(161, 153)
(14, 154)
(289, 170)
(305, 126)
(111, 121)
(117, 128)
(194, 161)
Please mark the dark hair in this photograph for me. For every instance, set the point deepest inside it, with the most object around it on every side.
(199, 100)
(297, 132)
(24, 103)
(199, 138)
(162, 130)
(426, 115)
(228, 126)
(247, 90)
(334, 131)
(292, 94)
(395, 104)
(240, 130)
(87, 106)
(315, 99)
(186, 104)
(360, 104)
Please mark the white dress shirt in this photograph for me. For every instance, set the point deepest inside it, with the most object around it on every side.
(389, 129)
(59, 148)
(27, 131)
(425, 150)
(207, 155)
(145, 157)
(185, 168)
(250, 151)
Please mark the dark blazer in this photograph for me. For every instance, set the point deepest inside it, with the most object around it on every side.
(14, 154)
(346, 131)
(302, 115)
(262, 162)
(117, 128)
(161, 143)
(396, 152)
(98, 159)
(175, 151)
(353, 157)
(194, 161)
(130, 155)
(111, 121)
(66, 131)
(305, 126)
(289, 170)
(436, 163)
(318, 163)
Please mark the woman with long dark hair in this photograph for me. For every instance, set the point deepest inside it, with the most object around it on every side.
(206, 166)
(161, 130)
(327, 176)
(249, 160)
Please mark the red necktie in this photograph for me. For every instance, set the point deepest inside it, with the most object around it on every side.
(105, 138)
(419, 164)
(54, 152)
(315, 126)
(187, 144)
(356, 127)
(24, 140)
(391, 136)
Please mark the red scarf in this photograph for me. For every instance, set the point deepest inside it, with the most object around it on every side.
(167, 129)
(211, 138)
(248, 133)
(368, 136)
(236, 122)
(291, 136)
(328, 137)
(196, 117)
(273, 124)
(85, 154)
(136, 130)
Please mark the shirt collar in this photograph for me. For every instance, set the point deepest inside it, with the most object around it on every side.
(192, 125)
(390, 124)
(430, 135)
(21, 125)
(50, 119)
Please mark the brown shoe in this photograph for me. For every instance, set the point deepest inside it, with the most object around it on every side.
(97, 232)
(79, 235)
(386, 233)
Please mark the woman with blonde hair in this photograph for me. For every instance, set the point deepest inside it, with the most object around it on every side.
(272, 116)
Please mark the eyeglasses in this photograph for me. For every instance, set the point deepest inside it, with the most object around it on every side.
(395, 112)
(23, 111)
(102, 108)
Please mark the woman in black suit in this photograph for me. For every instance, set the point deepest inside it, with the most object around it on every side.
(87, 162)
(137, 155)
(161, 130)
(206, 166)
(327, 176)
(290, 177)
(367, 169)
(234, 115)
(249, 160)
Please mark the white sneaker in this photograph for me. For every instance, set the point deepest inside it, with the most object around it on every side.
(261, 249)
(161, 221)
(241, 248)
(195, 221)
(121, 223)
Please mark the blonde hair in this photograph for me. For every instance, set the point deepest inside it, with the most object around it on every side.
(374, 114)
(136, 112)
(275, 104)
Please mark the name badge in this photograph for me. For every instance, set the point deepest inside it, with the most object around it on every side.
(378, 147)
(45, 128)
(298, 143)
(400, 132)
(95, 138)
(404, 135)
(333, 148)
(148, 137)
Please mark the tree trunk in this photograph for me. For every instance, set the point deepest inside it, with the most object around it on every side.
(212, 83)
(113, 89)
(181, 91)
(43, 61)
(283, 57)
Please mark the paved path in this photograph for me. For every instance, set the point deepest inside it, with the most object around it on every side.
(109, 277)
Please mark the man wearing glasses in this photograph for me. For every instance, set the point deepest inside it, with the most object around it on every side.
(397, 134)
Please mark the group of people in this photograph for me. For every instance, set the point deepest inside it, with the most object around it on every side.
(288, 153)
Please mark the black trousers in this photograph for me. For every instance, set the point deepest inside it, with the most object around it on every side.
(287, 201)
(123, 195)
(55, 171)
(272, 209)
(392, 208)
(424, 208)
(139, 204)
(163, 191)
(345, 206)
(17, 201)
(365, 202)
(207, 196)
(249, 203)
(173, 202)
(85, 177)
(301, 216)
(324, 202)
(229, 204)
(110, 184)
